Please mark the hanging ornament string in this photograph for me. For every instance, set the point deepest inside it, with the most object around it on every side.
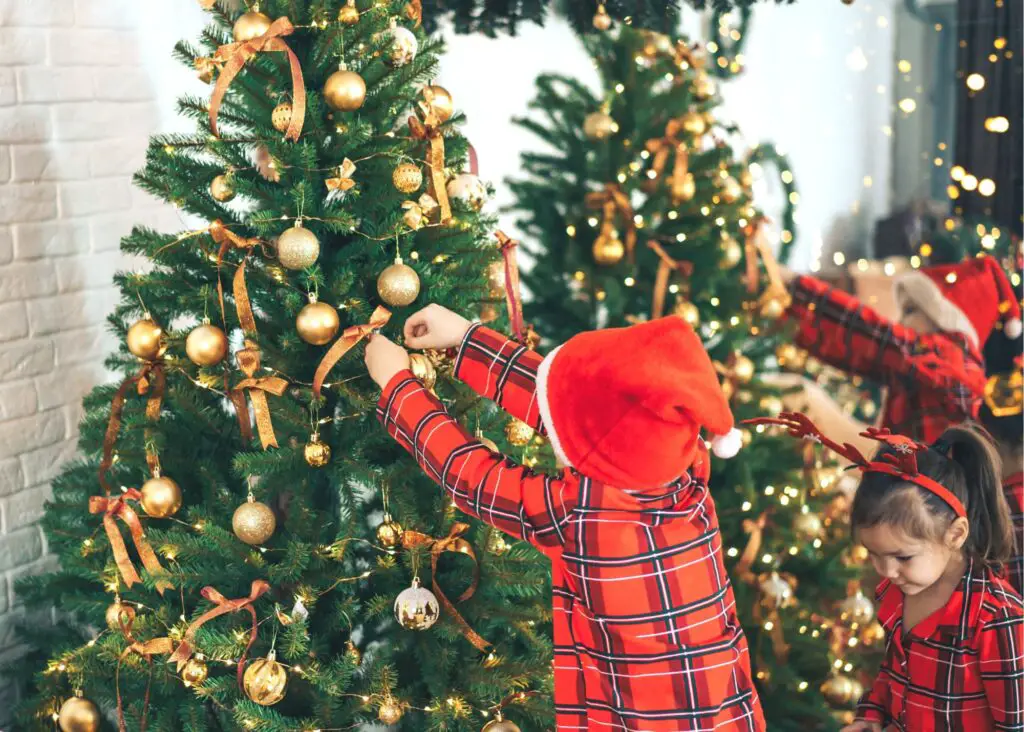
(114, 508)
(613, 201)
(451, 543)
(349, 337)
(755, 528)
(513, 298)
(150, 380)
(235, 55)
(661, 148)
(147, 649)
(223, 606)
(666, 266)
(429, 129)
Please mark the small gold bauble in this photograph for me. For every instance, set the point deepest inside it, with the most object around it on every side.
(254, 522)
(145, 339)
(704, 87)
(161, 497)
(441, 102)
(608, 248)
(602, 21)
(317, 453)
(390, 712)
(857, 608)
(688, 312)
(222, 188)
(403, 46)
(116, 615)
(423, 370)
(78, 714)
(771, 405)
(599, 126)
(317, 323)
(496, 543)
(807, 525)
(281, 117)
(353, 653)
(791, 357)
(776, 592)
(345, 91)
(732, 253)
(389, 533)
(398, 285)
(731, 190)
(518, 432)
(407, 177)
(265, 681)
(348, 14)
(250, 25)
(468, 189)
(416, 607)
(872, 633)
(297, 248)
(206, 345)
(694, 123)
(855, 556)
(195, 672)
(496, 277)
(839, 690)
(500, 724)
(743, 369)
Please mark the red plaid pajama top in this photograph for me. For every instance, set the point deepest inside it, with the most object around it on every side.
(645, 629)
(1013, 489)
(934, 379)
(961, 668)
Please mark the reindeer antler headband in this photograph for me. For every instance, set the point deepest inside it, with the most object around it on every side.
(902, 462)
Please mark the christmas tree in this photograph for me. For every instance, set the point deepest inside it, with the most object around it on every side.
(641, 205)
(220, 575)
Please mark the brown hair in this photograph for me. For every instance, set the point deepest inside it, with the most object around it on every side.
(965, 462)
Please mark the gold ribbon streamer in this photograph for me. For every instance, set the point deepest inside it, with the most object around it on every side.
(666, 266)
(150, 376)
(513, 299)
(223, 606)
(451, 543)
(755, 528)
(349, 337)
(429, 129)
(661, 148)
(118, 508)
(147, 649)
(613, 201)
(757, 244)
(235, 55)
(258, 387)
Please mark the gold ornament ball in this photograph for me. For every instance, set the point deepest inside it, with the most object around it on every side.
(345, 91)
(264, 681)
(599, 126)
(398, 285)
(281, 117)
(145, 338)
(731, 190)
(496, 277)
(222, 188)
(250, 25)
(390, 712)
(254, 522)
(416, 608)
(194, 673)
(608, 248)
(353, 652)
(206, 345)
(423, 370)
(348, 15)
(500, 724)
(771, 405)
(732, 253)
(518, 432)
(78, 714)
(441, 102)
(688, 312)
(317, 453)
(468, 189)
(807, 525)
(496, 544)
(317, 323)
(389, 533)
(602, 21)
(403, 46)
(743, 369)
(872, 633)
(857, 608)
(407, 177)
(115, 615)
(694, 123)
(790, 357)
(161, 497)
(839, 690)
(297, 248)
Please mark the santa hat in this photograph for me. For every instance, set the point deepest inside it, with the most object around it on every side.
(969, 297)
(625, 406)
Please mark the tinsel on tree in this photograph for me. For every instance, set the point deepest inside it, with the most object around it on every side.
(641, 205)
(235, 535)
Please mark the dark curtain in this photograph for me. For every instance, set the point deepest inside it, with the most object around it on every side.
(990, 44)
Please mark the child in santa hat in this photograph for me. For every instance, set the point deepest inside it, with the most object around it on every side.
(645, 629)
(931, 359)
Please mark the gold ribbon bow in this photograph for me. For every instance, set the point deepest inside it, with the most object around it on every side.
(235, 55)
(114, 508)
(661, 148)
(513, 299)
(343, 181)
(146, 649)
(349, 337)
(259, 386)
(223, 606)
(429, 129)
(613, 201)
(451, 543)
(755, 528)
(416, 211)
(666, 266)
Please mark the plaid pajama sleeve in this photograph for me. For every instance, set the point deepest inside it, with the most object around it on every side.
(483, 484)
(1001, 660)
(875, 704)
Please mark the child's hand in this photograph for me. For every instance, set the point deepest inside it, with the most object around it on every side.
(384, 359)
(435, 327)
(862, 726)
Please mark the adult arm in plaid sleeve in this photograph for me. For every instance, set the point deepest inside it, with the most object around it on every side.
(1001, 658)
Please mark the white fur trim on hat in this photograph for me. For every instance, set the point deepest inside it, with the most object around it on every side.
(919, 289)
(727, 445)
(545, 407)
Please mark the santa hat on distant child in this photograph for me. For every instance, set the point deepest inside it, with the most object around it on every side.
(625, 406)
(969, 297)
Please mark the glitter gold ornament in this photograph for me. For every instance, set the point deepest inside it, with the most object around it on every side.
(602, 21)
(423, 370)
(161, 497)
(688, 312)
(416, 608)
(348, 14)
(839, 690)
(297, 247)
(441, 102)
(345, 91)
(468, 189)
(317, 453)
(254, 522)
(807, 526)
(78, 714)
(403, 46)
(265, 680)
(500, 724)
(116, 615)
(732, 252)
(743, 369)
(222, 188)
(496, 543)
(599, 125)
(694, 123)
(389, 533)
(791, 357)
(317, 323)
(145, 338)
(608, 248)
(206, 345)
(407, 177)
(518, 432)
(398, 285)
(250, 25)
(353, 653)
(390, 712)
(857, 608)
(281, 117)
(195, 672)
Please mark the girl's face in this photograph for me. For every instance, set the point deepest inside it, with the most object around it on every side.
(911, 564)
